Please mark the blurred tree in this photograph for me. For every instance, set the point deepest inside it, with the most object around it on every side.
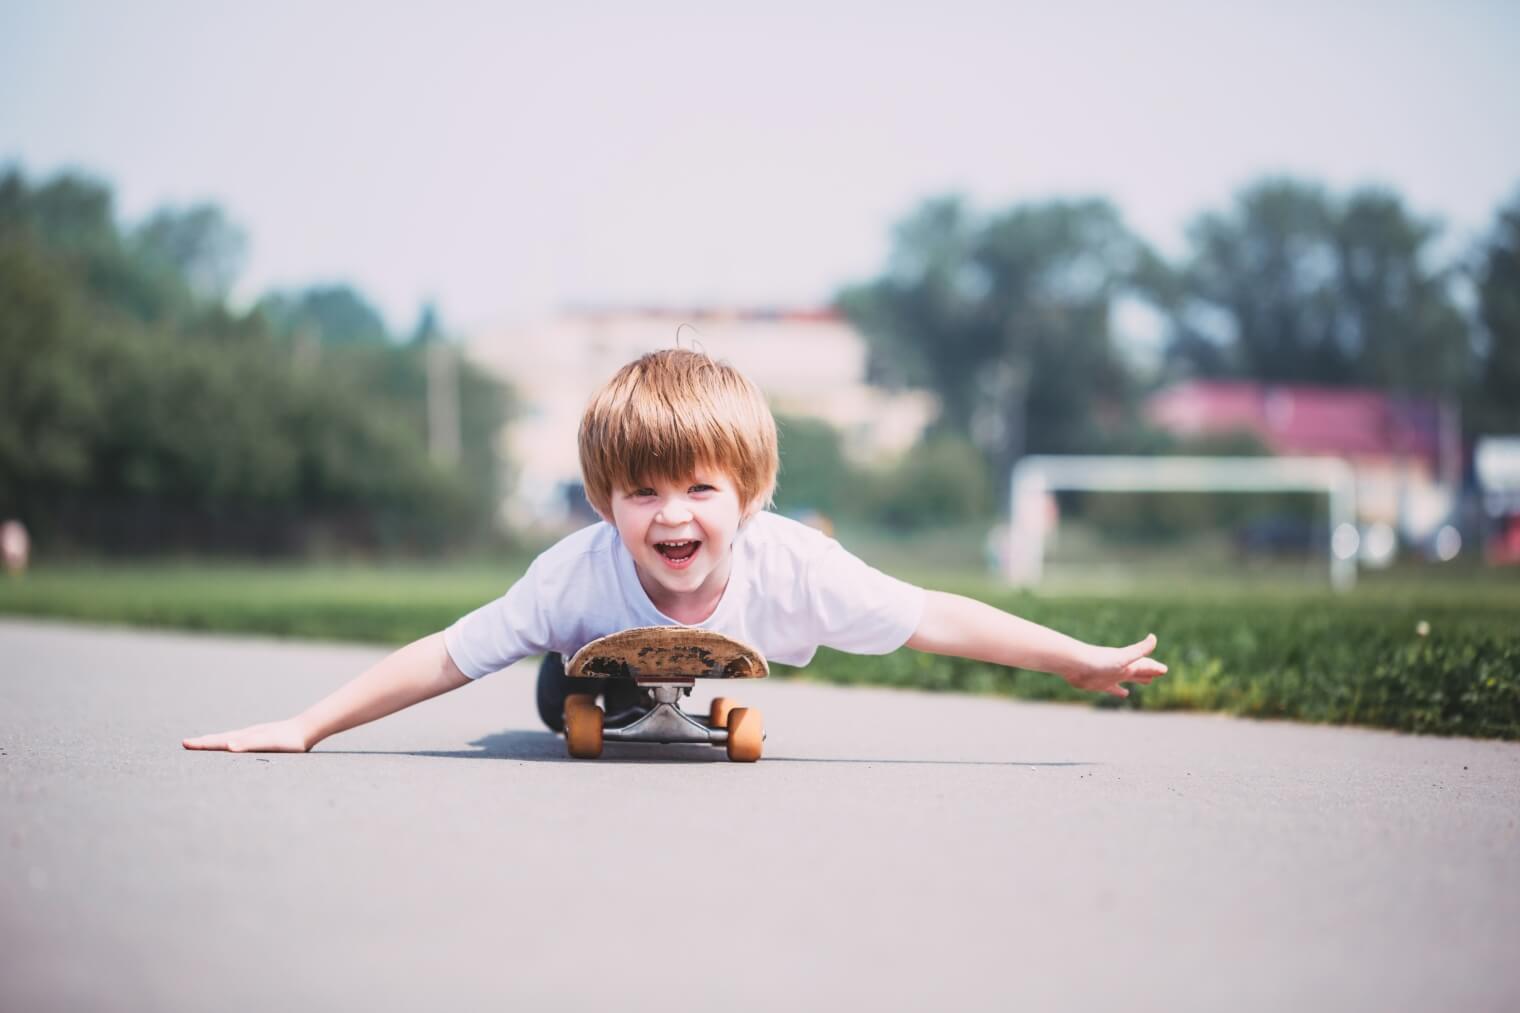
(135, 416)
(50, 411)
(70, 214)
(1260, 284)
(1006, 319)
(197, 244)
(1396, 312)
(1294, 285)
(71, 217)
(333, 314)
(427, 329)
(1494, 401)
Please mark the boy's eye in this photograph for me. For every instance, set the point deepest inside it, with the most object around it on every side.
(701, 487)
(638, 493)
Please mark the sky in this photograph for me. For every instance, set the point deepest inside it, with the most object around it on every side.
(506, 159)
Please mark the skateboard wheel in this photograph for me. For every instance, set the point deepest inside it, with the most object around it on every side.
(583, 730)
(746, 734)
(717, 714)
(579, 700)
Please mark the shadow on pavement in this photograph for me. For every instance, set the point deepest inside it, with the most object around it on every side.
(547, 747)
(950, 763)
(509, 745)
(544, 746)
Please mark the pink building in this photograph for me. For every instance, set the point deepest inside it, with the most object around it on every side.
(1405, 451)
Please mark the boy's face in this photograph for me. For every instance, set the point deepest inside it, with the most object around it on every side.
(680, 535)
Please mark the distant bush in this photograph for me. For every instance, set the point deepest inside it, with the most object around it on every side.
(1129, 517)
(814, 473)
(939, 482)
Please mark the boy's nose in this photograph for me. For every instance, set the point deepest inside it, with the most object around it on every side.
(673, 511)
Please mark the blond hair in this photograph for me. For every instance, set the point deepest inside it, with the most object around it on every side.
(670, 413)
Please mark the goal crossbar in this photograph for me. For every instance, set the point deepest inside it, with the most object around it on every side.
(1036, 475)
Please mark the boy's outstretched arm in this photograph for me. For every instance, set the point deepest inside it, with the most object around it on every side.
(419, 671)
(953, 624)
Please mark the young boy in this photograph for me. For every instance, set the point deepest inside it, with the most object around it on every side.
(679, 458)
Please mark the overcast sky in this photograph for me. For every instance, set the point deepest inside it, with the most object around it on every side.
(505, 161)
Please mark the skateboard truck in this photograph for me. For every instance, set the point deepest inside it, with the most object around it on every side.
(664, 722)
(666, 662)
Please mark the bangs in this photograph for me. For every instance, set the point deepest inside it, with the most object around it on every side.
(649, 441)
(671, 415)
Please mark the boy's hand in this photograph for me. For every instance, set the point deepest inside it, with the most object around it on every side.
(1101, 669)
(419, 671)
(274, 737)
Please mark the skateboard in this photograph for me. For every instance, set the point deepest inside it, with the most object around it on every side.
(665, 662)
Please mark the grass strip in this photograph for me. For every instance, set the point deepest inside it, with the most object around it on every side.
(1441, 659)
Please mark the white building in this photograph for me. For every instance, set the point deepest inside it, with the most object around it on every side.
(807, 362)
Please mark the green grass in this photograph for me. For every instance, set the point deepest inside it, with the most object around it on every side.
(1310, 656)
(385, 604)
(1260, 647)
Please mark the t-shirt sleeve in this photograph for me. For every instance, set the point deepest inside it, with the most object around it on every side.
(856, 607)
(504, 631)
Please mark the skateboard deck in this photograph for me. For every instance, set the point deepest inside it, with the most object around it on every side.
(666, 662)
(667, 654)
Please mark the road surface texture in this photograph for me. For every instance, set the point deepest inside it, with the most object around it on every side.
(893, 851)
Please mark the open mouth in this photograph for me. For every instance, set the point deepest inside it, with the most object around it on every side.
(677, 553)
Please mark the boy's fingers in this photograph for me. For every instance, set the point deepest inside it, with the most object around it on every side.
(206, 742)
(1142, 671)
(1136, 651)
(1118, 691)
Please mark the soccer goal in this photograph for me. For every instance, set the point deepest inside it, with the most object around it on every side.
(1037, 476)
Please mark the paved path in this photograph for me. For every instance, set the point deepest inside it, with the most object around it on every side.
(893, 851)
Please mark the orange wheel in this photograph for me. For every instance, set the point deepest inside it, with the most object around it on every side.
(583, 730)
(579, 700)
(746, 734)
(717, 714)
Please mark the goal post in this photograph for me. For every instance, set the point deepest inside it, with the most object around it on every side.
(1036, 476)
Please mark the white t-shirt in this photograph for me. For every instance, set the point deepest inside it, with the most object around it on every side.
(791, 590)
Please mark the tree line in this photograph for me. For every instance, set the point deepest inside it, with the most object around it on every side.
(140, 411)
(1009, 317)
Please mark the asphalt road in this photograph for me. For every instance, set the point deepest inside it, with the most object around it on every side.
(893, 851)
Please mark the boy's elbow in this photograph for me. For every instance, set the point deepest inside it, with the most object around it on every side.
(937, 627)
